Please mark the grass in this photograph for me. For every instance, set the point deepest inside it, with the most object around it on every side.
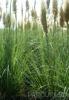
(30, 66)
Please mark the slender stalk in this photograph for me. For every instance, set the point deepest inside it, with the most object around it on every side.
(15, 11)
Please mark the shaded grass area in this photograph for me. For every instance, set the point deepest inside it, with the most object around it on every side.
(31, 66)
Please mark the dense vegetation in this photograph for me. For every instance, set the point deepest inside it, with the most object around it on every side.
(34, 56)
(31, 64)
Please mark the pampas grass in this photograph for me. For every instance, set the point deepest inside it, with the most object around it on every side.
(7, 20)
(39, 67)
(55, 13)
(54, 9)
(66, 17)
(61, 17)
(43, 18)
(66, 10)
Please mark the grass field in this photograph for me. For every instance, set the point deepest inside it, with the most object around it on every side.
(35, 65)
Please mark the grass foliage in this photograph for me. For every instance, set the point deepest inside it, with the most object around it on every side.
(35, 66)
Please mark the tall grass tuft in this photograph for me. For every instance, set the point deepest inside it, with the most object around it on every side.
(39, 67)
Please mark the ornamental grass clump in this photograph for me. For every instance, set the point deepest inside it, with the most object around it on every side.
(44, 24)
(48, 56)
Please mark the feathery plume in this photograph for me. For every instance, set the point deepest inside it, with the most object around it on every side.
(54, 9)
(43, 17)
(61, 17)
